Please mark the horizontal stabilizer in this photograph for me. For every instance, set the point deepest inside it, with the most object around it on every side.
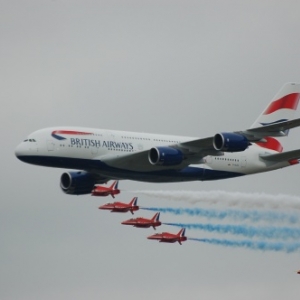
(285, 156)
(276, 129)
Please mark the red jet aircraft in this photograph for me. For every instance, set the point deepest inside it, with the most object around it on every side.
(144, 223)
(121, 207)
(99, 190)
(167, 237)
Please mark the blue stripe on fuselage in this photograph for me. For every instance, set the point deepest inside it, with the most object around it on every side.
(96, 166)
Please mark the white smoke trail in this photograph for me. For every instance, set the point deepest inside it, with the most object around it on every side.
(231, 199)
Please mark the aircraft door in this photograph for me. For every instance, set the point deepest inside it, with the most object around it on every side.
(110, 141)
(94, 150)
(50, 145)
(243, 161)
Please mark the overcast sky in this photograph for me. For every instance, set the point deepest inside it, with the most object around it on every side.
(172, 67)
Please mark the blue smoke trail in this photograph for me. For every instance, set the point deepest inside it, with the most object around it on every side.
(248, 231)
(254, 245)
(252, 215)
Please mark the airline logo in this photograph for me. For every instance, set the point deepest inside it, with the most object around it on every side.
(287, 102)
(57, 133)
(271, 143)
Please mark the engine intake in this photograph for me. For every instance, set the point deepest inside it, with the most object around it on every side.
(230, 142)
(77, 183)
(165, 156)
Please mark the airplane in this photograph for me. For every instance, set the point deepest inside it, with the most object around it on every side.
(105, 191)
(122, 207)
(167, 237)
(100, 155)
(143, 222)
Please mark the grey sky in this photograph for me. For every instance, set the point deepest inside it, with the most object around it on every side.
(176, 67)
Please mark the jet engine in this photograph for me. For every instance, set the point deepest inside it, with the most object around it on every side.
(165, 156)
(230, 142)
(77, 183)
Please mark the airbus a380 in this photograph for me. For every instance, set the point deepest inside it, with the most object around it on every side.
(102, 155)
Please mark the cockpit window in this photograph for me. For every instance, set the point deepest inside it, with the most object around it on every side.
(25, 140)
(30, 140)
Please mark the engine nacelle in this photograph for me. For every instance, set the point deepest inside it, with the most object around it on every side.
(165, 156)
(230, 142)
(77, 183)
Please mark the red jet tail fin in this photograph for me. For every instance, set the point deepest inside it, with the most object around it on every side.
(115, 184)
(156, 217)
(133, 202)
(181, 233)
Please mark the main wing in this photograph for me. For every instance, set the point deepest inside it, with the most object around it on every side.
(274, 121)
(195, 150)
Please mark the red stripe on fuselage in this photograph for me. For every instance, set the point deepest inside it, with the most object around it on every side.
(289, 101)
(70, 132)
(271, 143)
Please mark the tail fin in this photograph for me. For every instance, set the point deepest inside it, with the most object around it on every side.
(156, 217)
(282, 107)
(115, 184)
(133, 202)
(181, 233)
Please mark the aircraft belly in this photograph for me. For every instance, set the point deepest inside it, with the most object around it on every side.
(102, 169)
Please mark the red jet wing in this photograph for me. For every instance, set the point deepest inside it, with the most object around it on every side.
(102, 191)
(167, 237)
(122, 207)
(143, 222)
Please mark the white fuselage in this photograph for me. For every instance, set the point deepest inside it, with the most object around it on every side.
(99, 151)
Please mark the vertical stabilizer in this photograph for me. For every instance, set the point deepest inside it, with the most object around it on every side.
(156, 217)
(115, 184)
(282, 107)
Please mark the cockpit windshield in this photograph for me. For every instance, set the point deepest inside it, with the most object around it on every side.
(29, 140)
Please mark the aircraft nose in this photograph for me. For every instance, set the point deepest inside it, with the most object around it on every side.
(125, 222)
(19, 150)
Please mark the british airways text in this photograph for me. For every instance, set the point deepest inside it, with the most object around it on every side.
(99, 144)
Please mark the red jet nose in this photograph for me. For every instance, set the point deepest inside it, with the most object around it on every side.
(152, 237)
(127, 222)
